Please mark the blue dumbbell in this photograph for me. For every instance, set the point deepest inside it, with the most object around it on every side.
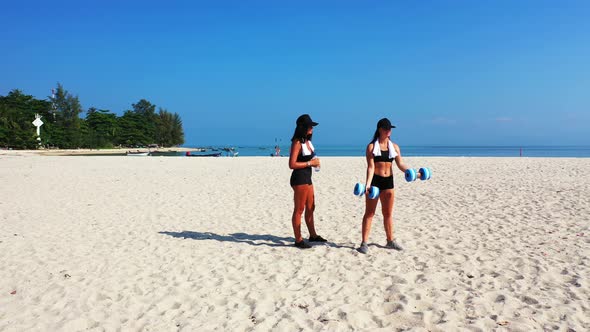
(425, 174)
(410, 175)
(359, 190)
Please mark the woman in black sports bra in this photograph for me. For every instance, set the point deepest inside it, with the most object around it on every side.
(301, 159)
(380, 154)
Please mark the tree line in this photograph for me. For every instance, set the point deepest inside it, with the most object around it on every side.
(64, 128)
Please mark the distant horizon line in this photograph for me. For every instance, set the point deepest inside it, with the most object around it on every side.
(419, 145)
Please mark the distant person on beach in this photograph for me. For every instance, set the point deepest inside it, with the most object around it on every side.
(381, 153)
(277, 151)
(301, 159)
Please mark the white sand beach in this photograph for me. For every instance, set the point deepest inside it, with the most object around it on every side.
(187, 244)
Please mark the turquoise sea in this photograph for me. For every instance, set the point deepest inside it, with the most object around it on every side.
(433, 151)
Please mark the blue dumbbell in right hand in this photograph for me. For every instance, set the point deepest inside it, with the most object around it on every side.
(359, 190)
(425, 174)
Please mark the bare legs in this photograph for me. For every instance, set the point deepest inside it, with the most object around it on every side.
(304, 202)
(387, 198)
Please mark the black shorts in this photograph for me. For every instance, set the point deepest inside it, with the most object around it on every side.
(301, 176)
(381, 182)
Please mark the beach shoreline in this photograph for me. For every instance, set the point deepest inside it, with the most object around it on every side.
(91, 152)
(491, 243)
(339, 151)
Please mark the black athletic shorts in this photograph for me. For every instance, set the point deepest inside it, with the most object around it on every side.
(301, 176)
(382, 182)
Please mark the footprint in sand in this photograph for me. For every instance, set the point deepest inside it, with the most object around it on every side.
(390, 308)
(500, 299)
(529, 300)
(420, 279)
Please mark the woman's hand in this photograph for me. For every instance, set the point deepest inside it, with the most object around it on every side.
(315, 162)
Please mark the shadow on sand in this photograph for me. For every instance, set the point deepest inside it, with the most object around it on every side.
(251, 239)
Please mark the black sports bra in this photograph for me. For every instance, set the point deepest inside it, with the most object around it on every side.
(384, 157)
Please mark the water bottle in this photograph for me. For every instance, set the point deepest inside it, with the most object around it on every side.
(317, 168)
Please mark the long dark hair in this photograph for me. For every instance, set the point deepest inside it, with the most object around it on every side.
(375, 136)
(300, 134)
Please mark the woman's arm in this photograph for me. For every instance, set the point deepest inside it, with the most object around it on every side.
(400, 163)
(399, 160)
(370, 165)
(293, 163)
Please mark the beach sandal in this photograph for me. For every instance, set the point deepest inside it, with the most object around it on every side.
(393, 245)
(363, 249)
(302, 245)
(317, 238)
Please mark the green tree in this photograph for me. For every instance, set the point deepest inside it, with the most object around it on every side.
(147, 124)
(64, 128)
(132, 130)
(68, 109)
(17, 112)
(101, 128)
(177, 131)
(169, 129)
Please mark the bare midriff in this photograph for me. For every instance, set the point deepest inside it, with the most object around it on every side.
(383, 168)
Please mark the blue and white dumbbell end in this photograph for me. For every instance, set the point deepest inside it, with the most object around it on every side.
(373, 192)
(359, 190)
(410, 175)
(425, 174)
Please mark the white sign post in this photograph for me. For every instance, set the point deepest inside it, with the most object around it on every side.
(38, 123)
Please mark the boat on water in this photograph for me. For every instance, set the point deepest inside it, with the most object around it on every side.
(215, 154)
(137, 153)
(230, 152)
(165, 153)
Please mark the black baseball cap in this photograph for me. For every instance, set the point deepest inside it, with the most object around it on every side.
(305, 120)
(385, 124)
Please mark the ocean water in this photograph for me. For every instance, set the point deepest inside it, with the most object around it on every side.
(434, 151)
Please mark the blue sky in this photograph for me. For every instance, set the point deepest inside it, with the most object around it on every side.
(240, 72)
